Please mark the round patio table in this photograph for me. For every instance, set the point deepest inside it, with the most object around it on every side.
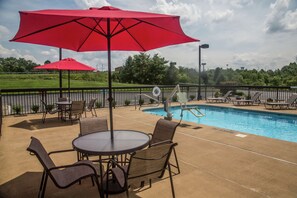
(64, 109)
(100, 143)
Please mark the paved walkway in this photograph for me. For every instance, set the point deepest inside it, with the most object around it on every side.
(214, 162)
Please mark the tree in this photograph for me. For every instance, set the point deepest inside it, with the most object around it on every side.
(143, 69)
(171, 76)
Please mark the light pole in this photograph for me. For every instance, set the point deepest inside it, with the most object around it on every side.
(203, 46)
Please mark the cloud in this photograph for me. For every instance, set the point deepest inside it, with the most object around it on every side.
(92, 3)
(4, 32)
(241, 3)
(281, 18)
(219, 16)
(4, 52)
(189, 13)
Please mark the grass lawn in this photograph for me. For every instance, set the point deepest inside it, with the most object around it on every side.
(16, 81)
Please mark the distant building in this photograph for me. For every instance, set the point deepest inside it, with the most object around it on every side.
(118, 69)
(242, 68)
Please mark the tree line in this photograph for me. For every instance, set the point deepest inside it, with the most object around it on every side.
(146, 69)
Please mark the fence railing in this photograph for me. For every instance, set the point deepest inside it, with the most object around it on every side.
(25, 99)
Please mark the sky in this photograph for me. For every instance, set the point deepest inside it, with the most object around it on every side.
(254, 34)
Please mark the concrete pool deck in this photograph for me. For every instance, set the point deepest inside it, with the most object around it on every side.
(214, 162)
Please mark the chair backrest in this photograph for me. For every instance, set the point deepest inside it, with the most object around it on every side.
(37, 148)
(256, 96)
(227, 94)
(92, 125)
(149, 163)
(164, 130)
(61, 100)
(78, 106)
(292, 99)
(182, 97)
(91, 103)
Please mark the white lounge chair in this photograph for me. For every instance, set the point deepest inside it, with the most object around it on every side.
(219, 99)
(288, 104)
(254, 100)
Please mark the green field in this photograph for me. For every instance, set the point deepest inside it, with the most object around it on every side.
(15, 81)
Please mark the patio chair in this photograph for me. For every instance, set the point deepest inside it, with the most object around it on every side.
(76, 110)
(165, 130)
(91, 107)
(288, 104)
(145, 165)
(254, 100)
(91, 125)
(219, 99)
(62, 176)
(47, 110)
(61, 108)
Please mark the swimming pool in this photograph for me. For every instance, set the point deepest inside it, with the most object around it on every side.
(273, 125)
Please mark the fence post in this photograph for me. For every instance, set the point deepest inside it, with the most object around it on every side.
(276, 94)
(1, 112)
(103, 99)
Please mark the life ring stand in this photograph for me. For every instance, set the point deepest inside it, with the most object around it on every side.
(156, 91)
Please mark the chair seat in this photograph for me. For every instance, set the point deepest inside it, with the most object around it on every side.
(67, 176)
(118, 173)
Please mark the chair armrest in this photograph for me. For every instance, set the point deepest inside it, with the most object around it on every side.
(162, 142)
(60, 151)
(74, 165)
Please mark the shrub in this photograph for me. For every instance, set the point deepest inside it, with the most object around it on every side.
(174, 98)
(152, 101)
(98, 104)
(269, 100)
(17, 109)
(114, 103)
(35, 108)
(217, 94)
(141, 101)
(192, 97)
(49, 107)
(127, 102)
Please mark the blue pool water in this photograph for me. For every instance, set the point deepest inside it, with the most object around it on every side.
(273, 125)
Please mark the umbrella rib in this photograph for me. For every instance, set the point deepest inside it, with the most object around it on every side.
(93, 29)
(48, 28)
(127, 30)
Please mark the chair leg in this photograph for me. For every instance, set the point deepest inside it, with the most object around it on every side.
(176, 162)
(171, 181)
(43, 185)
(43, 117)
(95, 113)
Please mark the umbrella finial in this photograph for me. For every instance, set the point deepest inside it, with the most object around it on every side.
(105, 8)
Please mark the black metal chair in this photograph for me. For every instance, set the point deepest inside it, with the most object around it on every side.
(76, 110)
(62, 176)
(165, 130)
(48, 110)
(91, 107)
(144, 166)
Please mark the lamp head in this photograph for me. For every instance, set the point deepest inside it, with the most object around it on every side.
(204, 46)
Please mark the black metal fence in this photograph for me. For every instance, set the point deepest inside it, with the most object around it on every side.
(25, 99)
(13, 101)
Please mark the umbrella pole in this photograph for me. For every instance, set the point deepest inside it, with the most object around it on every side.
(110, 99)
(60, 74)
(69, 84)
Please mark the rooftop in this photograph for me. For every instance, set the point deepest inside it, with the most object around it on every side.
(214, 162)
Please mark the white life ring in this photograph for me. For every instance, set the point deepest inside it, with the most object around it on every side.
(156, 91)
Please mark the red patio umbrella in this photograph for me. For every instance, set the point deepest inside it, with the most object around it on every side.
(68, 64)
(101, 29)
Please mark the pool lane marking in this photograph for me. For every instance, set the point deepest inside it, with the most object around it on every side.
(232, 146)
